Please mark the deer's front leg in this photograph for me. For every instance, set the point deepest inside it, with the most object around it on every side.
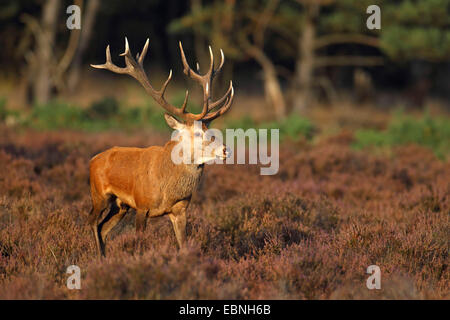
(178, 218)
(141, 220)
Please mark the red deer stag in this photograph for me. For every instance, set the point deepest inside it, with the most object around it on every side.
(147, 179)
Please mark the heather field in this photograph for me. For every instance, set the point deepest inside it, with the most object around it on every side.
(309, 232)
(358, 203)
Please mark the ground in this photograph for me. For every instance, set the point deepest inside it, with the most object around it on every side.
(308, 232)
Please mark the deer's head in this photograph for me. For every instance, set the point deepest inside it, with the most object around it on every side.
(200, 143)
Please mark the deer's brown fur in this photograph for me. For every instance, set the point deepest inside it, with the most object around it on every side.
(147, 179)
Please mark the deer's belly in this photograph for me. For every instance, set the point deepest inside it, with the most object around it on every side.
(124, 197)
(158, 197)
(158, 204)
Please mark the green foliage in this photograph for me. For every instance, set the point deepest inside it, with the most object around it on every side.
(3, 110)
(104, 114)
(108, 114)
(103, 109)
(345, 16)
(416, 30)
(426, 131)
(55, 115)
(245, 123)
(240, 20)
(178, 99)
(293, 127)
(425, 13)
(147, 115)
(402, 42)
(410, 29)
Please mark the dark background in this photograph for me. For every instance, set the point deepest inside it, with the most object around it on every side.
(410, 70)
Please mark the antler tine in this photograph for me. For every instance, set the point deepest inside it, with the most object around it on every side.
(223, 109)
(206, 98)
(164, 86)
(183, 108)
(127, 49)
(211, 70)
(187, 69)
(141, 57)
(222, 61)
(108, 55)
(131, 64)
(211, 66)
(221, 100)
(204, 81)
(109, 65)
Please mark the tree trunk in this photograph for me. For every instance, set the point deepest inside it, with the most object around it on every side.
(273, 93)
(199, 41)
(42, 85)
(226, 27)
(305, 63)
(86, 33)
(272, 88)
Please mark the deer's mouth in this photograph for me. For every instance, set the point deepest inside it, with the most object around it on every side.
(224, 155)
(227, 153)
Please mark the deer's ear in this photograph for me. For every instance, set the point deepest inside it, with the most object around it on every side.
(172, 122)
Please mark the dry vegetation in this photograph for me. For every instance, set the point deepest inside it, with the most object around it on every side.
(309, 232)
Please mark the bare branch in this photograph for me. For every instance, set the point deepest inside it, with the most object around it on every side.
(348, 61)
(328, 40)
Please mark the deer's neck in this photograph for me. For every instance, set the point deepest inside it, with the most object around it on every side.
(182, 178)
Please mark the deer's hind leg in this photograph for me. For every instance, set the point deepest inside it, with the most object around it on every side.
(99, 204)
(115, 215)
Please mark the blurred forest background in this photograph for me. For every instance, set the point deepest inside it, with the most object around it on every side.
(364, 153)
(284, 56)
(309, 67)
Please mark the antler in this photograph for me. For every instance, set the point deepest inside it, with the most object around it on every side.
(136, 70)
(205, 82)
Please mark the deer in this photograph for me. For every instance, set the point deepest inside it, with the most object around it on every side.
(147, 179)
